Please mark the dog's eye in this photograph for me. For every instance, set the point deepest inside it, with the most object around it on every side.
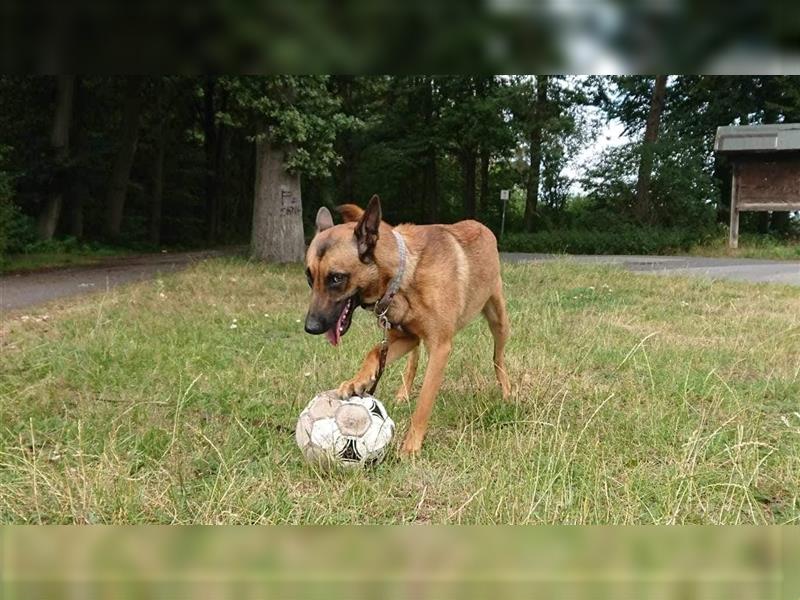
(309, 278)
(336, 279)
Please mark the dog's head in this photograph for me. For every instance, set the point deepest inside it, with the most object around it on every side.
(341, 268)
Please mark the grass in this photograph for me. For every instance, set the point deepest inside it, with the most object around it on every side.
(45, 260)
(750, 246)
(637, 399)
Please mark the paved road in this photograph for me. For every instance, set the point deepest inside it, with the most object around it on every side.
(739, 269)
(28, 289)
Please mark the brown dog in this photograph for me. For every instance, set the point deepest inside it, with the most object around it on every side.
(444, 275)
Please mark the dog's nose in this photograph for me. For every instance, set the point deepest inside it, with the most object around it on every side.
(314, 324)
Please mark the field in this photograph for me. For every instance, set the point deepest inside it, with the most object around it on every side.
(637, 399)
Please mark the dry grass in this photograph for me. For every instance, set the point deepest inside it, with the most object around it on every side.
(637, 399)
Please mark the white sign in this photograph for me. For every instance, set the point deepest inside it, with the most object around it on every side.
(504, 195)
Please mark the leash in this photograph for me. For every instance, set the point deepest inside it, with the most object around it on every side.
(382, 307)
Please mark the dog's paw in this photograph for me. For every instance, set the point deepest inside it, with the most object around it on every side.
(353, 387)
(411, 445)
(402, 395)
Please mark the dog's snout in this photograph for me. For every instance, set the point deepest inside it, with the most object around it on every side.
(314, 325)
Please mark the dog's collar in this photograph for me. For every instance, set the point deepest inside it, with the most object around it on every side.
(382, 305)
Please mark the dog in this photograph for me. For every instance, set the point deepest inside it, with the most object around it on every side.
(436, 278)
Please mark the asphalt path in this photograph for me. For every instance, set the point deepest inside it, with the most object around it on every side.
(19, 291)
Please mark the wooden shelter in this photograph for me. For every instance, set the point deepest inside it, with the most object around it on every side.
(765, 161)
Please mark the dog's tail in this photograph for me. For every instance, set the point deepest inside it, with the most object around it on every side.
(350, 212)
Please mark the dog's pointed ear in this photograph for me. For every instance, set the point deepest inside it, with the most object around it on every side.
(350, 212)
(366, 230)
(324, 219)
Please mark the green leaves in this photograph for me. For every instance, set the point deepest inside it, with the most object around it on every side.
(298, 112)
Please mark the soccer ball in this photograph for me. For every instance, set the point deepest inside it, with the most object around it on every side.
(347, 433)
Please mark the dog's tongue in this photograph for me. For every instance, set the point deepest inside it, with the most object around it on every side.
(333, 335)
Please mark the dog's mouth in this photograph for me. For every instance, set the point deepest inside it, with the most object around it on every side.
(342, 324)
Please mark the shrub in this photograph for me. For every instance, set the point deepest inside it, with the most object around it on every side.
(6, 217)
(9, 215)
(622, 240)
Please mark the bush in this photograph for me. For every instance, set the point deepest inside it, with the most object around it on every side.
(622, 240)
(6, 217)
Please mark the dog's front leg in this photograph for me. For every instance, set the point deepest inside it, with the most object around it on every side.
(437, 361)
(399, 346)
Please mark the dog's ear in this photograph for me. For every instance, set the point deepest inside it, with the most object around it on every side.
(350, 212)
(366, 231)
(324, 219)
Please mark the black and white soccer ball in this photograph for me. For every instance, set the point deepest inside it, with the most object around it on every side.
(348, 433)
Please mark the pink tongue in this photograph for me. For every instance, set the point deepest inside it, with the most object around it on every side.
(333, 334)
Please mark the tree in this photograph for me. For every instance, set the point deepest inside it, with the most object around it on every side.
(79, 190)
(472, 123)
(215, 140)
(430, 154)
(295, 120)
(162, 119)
(540, 110)
(59, 139)
(642, 207)
(549, 129)
(121, 170)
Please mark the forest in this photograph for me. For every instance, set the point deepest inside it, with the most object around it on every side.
(200, 161)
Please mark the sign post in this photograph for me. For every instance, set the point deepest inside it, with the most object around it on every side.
(504, 200)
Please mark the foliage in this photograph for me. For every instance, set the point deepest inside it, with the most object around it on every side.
(16, 229)
(630, 239)
(682, 189)
(297, 113)
(435, 148)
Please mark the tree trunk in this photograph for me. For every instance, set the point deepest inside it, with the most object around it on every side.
(430, 191)
(642, 209)
(121, 171)
(158, 187)
(483, 201)
(59, 140)
(277, 234)
(468, 163)
(210, 147)
(535, 143)
(78, 197)
(79, 188)
(221, 152)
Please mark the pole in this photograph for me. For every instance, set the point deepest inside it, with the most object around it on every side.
(504, 195)
(733, 240)
(503, 220)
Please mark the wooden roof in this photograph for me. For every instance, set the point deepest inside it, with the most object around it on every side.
(758, 138)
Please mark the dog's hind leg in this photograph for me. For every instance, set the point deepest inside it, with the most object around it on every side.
(404, 393)
(497, 317)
